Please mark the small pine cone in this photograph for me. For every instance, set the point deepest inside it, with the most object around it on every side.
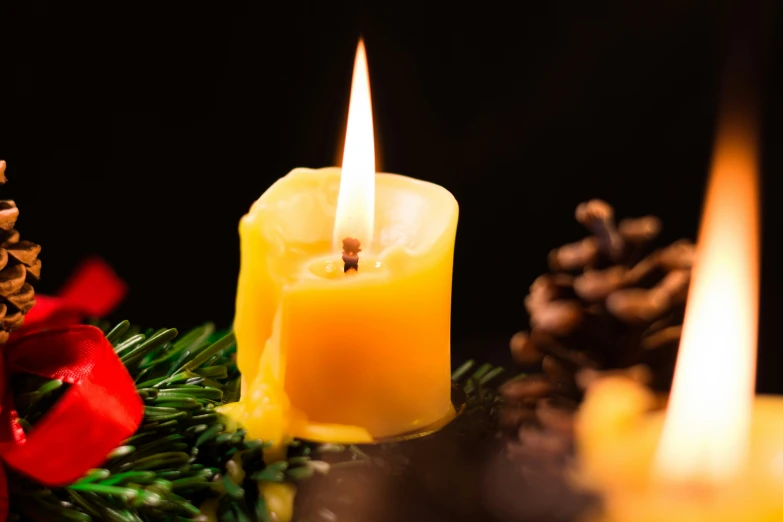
(608, 304)
(20, 268)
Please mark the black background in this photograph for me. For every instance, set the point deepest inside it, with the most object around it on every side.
(142, 133)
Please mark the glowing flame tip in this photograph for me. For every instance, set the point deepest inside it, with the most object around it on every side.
(355, 213)
(705, 436)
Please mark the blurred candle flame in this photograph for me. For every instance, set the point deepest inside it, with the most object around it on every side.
(356, 201)
(706, 431)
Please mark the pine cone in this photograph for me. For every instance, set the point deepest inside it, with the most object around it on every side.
(20, 268)
(607, 306)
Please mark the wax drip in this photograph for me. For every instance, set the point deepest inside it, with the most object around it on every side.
(351, 249)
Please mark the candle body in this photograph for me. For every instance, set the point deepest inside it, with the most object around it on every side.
(617, 438)
(319, 349)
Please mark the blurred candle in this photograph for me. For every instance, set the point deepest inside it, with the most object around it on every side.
(340, 356)
(716, 454)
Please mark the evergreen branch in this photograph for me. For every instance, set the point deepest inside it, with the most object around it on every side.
(180, 456)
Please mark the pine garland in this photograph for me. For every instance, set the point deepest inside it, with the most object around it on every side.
(183, 455)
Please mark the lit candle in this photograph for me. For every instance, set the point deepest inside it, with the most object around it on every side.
(344, 298)
(716, 453)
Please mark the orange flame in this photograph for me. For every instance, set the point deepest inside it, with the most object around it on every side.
(356, 201)
(706, 432)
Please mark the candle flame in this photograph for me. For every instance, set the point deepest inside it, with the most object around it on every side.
(356, 201)
(705, 435)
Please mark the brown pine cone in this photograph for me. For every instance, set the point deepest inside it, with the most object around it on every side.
(608, 305)
(605, 305)
(20, 268)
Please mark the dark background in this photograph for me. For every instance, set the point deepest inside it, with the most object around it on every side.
(143, 133)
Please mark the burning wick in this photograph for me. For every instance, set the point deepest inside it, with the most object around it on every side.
(351, 249)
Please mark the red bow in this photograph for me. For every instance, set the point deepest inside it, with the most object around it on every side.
(100, 409)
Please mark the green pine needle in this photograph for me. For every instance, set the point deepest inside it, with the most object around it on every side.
(178, 457)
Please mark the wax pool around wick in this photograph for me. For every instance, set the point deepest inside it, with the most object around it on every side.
(351, 249)
(332, 267)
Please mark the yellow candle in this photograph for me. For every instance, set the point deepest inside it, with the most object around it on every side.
(335, 356)
(716, 453)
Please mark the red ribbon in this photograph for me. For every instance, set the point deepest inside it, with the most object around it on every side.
(100, 409)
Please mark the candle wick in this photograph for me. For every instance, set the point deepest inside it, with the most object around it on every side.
(351, 249)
